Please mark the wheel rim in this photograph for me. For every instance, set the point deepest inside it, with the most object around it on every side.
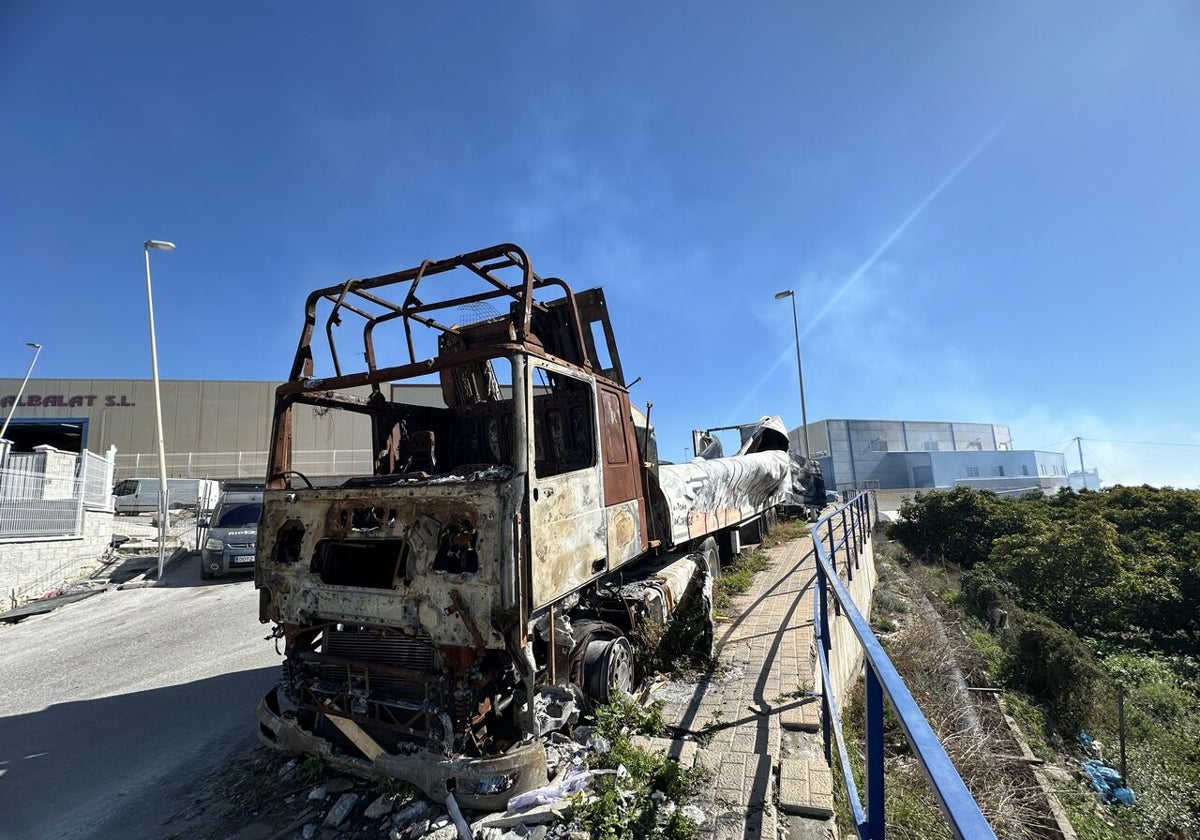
(608, 668)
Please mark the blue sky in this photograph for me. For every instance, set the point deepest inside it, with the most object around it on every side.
(989, 212)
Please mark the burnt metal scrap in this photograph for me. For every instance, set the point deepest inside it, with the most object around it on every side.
(480, 585)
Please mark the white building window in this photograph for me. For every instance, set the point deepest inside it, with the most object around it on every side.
(879, 445)
(999, 471)
(972, 472)
(1024, 469)
(930, 446)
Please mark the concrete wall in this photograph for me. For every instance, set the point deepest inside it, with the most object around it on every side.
(31, 567)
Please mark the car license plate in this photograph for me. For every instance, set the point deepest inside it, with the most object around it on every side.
(244, 560)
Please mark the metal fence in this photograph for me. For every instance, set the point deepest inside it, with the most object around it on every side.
(44, 494)
(843, 536)
(248, 464)
(96, 473)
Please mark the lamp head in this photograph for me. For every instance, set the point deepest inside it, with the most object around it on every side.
(159, 245)
(34, 345)
(782, 295)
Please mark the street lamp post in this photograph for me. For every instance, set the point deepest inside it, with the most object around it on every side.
(799, 367)
(37, 349)
(158, 245)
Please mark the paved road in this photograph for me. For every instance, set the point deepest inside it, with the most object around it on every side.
(109, 706)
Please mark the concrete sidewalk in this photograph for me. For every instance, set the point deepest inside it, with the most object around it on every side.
(761, 708)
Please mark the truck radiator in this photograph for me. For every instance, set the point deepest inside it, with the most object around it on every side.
(366, 645)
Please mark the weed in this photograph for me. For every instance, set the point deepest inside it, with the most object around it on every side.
(394, 790)
(682, 646)
(312, 768)
(884, 624)
(624, 715)
(621, 805)
(785, 530)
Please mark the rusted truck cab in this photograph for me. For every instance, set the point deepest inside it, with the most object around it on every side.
(423, 598)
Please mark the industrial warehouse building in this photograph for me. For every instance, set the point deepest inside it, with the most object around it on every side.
(216, 429)
(919, 454)
(211, 429)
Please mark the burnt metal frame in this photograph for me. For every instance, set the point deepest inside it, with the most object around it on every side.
(962, 813)
(352, 294)
(483, 263)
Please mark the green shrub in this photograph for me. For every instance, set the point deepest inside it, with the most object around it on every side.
(984, 591)
(1052, 664)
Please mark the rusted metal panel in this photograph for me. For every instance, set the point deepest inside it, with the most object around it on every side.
(626, 532)
(621, 470)
(424, 581)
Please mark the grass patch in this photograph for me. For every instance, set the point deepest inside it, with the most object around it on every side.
(737, 578)
(1035, 729)
(785, 530)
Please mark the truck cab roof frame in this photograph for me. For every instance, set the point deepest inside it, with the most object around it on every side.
(527, 321)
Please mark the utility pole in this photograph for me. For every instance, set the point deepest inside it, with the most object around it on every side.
(1082, 473)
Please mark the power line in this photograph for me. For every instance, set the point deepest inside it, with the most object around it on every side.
(1107, 469)
(1142, 442)
(1055, 447)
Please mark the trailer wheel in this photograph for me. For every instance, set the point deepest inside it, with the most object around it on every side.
(608, 668)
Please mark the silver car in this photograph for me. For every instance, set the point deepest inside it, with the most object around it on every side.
(232, 532)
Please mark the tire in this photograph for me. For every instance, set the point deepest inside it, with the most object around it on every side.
(608, 669)
(602, 662)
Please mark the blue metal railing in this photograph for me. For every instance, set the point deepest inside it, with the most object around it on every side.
(846, 532)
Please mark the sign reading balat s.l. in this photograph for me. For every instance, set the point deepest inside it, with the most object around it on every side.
(64, 401)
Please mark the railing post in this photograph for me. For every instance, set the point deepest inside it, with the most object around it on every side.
(874, 754)
(837, 607)
(824, 642)
(846, 545)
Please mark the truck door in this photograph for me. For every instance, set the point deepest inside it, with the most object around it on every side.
(624, 510)
(566, 500)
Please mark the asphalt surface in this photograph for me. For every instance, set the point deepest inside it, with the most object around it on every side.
(110, 706)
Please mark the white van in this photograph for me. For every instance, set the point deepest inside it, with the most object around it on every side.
(140, 495)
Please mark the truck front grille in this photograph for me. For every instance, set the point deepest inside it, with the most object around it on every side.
(365, 647)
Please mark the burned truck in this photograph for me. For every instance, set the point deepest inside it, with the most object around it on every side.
(475, 578)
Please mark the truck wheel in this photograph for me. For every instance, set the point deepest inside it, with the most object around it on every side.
(608, 668)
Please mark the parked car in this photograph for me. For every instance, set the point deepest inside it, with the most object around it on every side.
(132, 496)
(232, 532)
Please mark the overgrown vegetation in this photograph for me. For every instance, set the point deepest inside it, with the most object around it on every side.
(1095, 588)
(736, 579)
(642, 797)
